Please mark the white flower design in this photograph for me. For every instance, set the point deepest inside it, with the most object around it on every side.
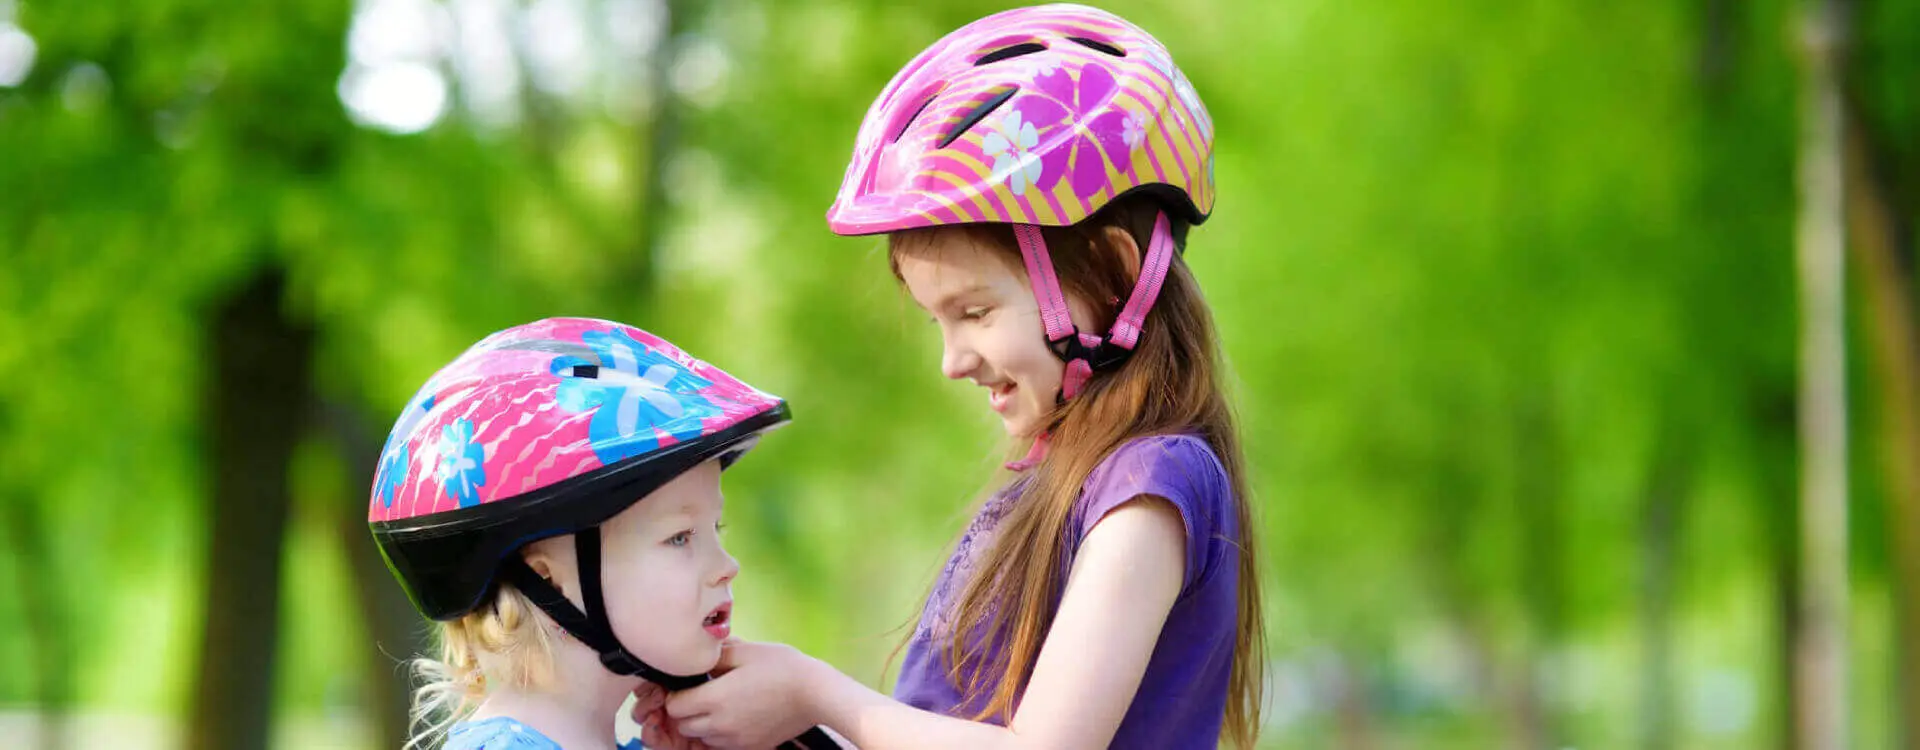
(1010, 144)
(651, 387)
(1134, 130)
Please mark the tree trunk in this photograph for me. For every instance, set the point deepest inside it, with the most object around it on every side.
(1719, 19)
(1786, 577)
(1445, 548)
(255, 402)
(393, 626)
(1821, 644)
(1882, 248)
(636, 279)
(1542, 580)
(1660, 533)
(40, 585)
(1353, 710)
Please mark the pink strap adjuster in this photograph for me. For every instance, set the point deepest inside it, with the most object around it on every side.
(1085, 353)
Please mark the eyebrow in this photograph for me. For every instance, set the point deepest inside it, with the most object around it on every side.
(692, 507)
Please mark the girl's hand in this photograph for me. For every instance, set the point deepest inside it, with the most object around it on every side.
(759, 700)
(665, 736)
(658, 731)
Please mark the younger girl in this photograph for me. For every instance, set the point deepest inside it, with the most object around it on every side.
(552, 497)
(1035, 173)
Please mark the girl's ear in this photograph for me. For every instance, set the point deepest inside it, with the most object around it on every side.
(1120, 242)
(544, 558)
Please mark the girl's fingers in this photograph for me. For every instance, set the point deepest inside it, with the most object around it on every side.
(647, 699)
(693, 727)
(666, 737)
(687, 703)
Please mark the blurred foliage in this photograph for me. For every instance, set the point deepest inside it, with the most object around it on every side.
(1503, 286)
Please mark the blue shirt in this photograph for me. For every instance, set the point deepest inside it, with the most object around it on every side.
(504, 733)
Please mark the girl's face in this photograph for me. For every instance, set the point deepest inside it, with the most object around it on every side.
(665, 579)
(990, 325)
(668, 581)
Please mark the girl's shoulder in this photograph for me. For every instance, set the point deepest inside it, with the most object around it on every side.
(496, 733)
(1181, 468)
(1185, 457)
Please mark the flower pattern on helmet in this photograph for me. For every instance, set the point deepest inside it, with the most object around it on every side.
(633, 391)
(394, 457)
(538, 404)
(1010, 144)
(463, 463)
(1110, 110)
(1134, 130)
(1062, 100)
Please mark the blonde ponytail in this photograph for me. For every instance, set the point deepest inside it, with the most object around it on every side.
(513, 636)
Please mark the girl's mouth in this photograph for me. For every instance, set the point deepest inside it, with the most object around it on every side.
(716, 621)
(1000, 396)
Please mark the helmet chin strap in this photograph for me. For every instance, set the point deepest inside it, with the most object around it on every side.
(1086, 353)
(590, 627)
(593, 629)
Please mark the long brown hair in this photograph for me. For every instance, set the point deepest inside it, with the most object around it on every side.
(1170, 385)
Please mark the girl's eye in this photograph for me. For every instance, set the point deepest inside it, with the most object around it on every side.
(974, 313)
(680, 540)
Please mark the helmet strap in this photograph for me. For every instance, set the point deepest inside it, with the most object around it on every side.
(1086, 353)
(593, 629)
(590, 627)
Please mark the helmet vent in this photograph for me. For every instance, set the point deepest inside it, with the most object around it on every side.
(584, 371)
(1097, 46)
(907, 123)
(980, 111)
(1024, 48)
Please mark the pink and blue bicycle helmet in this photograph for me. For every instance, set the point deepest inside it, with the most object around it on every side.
(541, 430)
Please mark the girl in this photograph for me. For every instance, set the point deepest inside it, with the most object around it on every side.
(548, 464)
(1035, 173)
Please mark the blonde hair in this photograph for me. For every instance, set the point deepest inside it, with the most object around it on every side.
(508, 629)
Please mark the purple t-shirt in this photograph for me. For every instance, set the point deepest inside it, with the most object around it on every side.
(1183, 695)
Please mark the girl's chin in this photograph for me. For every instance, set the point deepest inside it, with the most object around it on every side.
(1018, 427)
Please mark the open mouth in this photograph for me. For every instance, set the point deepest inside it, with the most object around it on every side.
(999, 395)
(716, 622)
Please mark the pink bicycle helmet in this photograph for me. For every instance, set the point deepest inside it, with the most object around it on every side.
(541, 430)
(1037, 117)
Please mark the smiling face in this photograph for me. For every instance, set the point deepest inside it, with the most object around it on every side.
(990, 327)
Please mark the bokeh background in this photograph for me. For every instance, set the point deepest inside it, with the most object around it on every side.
(1508, 289)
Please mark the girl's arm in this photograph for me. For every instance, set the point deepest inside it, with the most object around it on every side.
(1124, 581)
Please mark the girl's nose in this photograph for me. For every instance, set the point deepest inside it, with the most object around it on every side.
(957, 360)
(729, 568)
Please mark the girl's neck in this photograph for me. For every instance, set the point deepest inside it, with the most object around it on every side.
(576, 709)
